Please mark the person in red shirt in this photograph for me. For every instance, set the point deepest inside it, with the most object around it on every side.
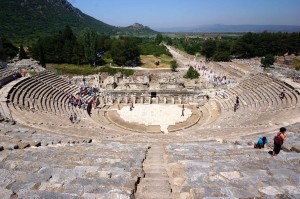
(278, 141)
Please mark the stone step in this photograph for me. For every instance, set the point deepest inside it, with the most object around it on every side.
(156, 175)
(155, 182)
(156, 170)
(156, 189)
(153, 196)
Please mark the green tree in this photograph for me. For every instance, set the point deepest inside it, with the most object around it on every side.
(267, 61)
(125, 52)
(208, 49)
(9, 50)
(159, 38)
(42, 57)
(174, 65)
(223, 51)
(2, 54)
(191, 74)
(168, 40)
(89, 39)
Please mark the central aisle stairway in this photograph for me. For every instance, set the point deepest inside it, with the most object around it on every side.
(156, 183)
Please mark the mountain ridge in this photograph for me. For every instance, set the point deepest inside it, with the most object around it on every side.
(23, 20)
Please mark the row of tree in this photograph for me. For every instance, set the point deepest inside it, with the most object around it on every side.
(246, 46)
(93, 48)
(88, 47)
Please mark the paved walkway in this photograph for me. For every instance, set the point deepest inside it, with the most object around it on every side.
(155, 114)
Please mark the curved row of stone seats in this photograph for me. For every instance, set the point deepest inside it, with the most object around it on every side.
(259, 98)
(212, 169)
(17, 137)
(38, 104)
(96, 170)
(34, 93)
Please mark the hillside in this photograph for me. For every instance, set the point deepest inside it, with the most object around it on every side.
(138, 29)
(23, 20)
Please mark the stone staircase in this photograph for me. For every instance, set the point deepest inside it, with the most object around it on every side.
(155, 184)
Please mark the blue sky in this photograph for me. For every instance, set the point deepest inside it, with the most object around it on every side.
(189, 13)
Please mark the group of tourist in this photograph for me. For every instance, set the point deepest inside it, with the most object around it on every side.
(209, 75)
(77, 102)
(86, 90)
(280, 137)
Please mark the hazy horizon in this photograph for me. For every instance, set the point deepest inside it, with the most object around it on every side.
(190, 13)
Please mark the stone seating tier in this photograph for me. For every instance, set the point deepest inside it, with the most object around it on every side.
(96, 170)
(222, 170)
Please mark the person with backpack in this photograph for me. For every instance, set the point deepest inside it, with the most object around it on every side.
(278, 141)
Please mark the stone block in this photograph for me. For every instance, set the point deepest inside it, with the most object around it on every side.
(5, 193)
(11, 146)
(23, 145)
(37, 194)
(17, 186)
(231, 175)
(271, 191)
(51, 187)
(73, 189)
(35, 144)
(240, 192)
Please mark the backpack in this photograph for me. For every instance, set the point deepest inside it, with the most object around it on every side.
(278, 140)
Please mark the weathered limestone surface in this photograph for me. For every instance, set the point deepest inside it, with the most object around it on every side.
(109, 170)
(213, 169)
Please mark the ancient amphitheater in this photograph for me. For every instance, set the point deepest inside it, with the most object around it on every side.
(208, 154)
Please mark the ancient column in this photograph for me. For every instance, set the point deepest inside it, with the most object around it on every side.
(172, 100)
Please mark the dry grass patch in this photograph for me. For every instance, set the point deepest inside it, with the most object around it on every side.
(148, 61)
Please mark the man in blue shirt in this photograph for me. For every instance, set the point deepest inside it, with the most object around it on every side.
(261, 142)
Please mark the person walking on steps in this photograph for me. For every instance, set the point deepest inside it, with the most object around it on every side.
(237, 101)
(278, 141)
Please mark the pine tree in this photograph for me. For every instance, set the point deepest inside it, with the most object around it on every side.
(42, 57)
(22, 53)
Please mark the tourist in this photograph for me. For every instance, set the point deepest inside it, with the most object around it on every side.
(237, 101)
(89, 108)
(261, 143)
(182, 112)
(282, 93)
(71, 118)
(235, 107)
(278, 141)
(75, 117)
